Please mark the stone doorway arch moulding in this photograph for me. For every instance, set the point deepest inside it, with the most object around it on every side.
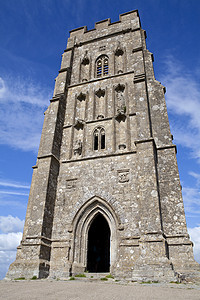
(81, 225)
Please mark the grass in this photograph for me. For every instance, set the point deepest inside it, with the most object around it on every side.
(149, 282)
(20, 278)
(34, 278)
(104, 279)
(110, 276)
(80, 275)
(71, 278)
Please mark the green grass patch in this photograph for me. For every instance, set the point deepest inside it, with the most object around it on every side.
(104, 279)
(109, 276)
(80, 275)
(34, 278)
(20, 278)
(71, 278)
(146, 282)
(149, 282)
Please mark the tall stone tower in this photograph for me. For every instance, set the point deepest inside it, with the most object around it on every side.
(105, 193)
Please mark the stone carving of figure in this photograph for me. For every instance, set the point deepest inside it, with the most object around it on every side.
(121, 109)
(120, 98)
(77, 147)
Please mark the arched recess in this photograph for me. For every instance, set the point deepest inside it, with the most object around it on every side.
(81, 225)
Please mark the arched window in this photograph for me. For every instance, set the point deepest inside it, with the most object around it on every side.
(99, 141)
(102, 66)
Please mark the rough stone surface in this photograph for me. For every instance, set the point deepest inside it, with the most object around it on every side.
(106, 91)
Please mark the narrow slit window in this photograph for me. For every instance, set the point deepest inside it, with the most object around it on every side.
(96, 141)
(102, 140)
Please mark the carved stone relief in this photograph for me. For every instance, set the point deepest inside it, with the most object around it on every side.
(100, 103)
(77, 147)
(71, 183)
(122, 146)
(81, 97)
(85, 67)
(119, 59)
(80, 111)
(100, 93)
(99, 117)
(79, 123)
(120, 103)
(102, 48)
(123, 175)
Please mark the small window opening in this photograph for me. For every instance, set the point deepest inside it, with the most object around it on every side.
(96, 141)
(99, 139)
(102, 66)
(103, 140)
(105, 67)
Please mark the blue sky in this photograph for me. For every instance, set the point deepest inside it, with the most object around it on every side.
(33, 36)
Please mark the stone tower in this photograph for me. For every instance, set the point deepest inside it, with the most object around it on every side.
(105, 193)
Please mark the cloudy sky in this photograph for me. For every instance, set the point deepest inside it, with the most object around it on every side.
(33, 36)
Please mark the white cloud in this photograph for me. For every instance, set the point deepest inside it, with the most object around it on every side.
(11, 224)
(10, 241)
(196, 176)
(13, 203)
(6, 258)
(191, 196)
(22, 104)
(14, 184)
(14, 193)
(195, 237)
(20, 90)
(2, 88)
(8, 245)
(183, 102)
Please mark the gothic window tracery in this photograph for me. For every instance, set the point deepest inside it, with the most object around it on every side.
(99, 142)
(102, 66)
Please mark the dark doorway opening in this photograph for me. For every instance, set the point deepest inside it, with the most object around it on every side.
(98, 255)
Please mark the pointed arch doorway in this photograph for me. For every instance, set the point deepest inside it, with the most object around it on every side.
(98, 250)
(86, 221)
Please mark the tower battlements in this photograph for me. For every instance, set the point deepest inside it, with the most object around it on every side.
(129, 21)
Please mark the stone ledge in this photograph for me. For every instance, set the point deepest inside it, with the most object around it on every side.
(49, 155)
(167, 147)
(97, 157)
(102, 78)
(99, 120)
